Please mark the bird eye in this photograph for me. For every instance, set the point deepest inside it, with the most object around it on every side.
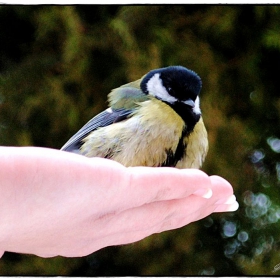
(170, 90)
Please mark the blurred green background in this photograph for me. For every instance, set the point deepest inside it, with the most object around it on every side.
(57, 65)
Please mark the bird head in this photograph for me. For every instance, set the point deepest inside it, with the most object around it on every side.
(175, 85)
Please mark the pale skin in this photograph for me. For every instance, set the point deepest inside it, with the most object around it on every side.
(55, 203)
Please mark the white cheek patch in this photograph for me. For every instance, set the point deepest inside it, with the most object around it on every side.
(196, 108)
(156, 88)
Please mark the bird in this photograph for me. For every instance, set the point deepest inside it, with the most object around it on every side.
(155, 121)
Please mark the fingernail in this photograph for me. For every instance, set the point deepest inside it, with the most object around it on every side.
(227, 208)
(227, 200)
(205, 193)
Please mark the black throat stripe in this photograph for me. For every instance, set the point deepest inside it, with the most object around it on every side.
(187, 114)
(173, 158)
(190, 119)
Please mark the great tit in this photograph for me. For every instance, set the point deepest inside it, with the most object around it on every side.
(154, 121)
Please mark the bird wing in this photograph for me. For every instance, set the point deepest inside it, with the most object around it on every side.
(104, 118)
(123, 101)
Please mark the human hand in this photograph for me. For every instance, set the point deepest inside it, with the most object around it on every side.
(58, 203)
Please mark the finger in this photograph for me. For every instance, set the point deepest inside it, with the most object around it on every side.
(148, 185)
(221, 186)
(223, 194)
(156, 216)
(227, 207)
(222, 200)
(152, 218)
(136, 186)
(163, 215)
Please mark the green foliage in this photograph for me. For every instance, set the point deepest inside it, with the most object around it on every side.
(57, 65)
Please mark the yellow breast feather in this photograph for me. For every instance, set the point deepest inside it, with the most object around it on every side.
(132, 142)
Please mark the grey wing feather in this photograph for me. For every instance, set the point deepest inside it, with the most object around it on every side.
(105, 118)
